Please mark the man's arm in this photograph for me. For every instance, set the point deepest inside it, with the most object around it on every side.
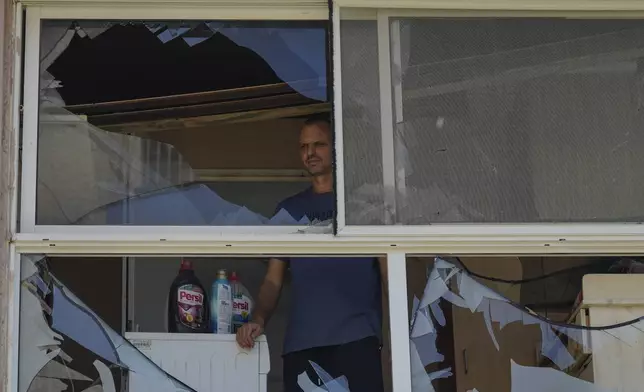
(267, 298)
(270, 291)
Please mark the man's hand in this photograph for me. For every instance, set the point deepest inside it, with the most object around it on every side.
(247, 334)
(269, 293)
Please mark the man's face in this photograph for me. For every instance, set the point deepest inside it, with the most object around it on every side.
(315, 148)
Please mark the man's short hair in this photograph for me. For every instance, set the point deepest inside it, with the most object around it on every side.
(318, 119)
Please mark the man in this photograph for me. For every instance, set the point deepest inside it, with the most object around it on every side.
(336, 311)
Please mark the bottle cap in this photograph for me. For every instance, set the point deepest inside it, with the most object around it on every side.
(233, 276)
(186, 264)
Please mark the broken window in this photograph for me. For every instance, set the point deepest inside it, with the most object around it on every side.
(66, 346)
(494, 120)
(494, 324)
(177, 123)
(485, 324)
(80, 333)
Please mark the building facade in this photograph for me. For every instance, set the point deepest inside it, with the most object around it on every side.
(490, 151)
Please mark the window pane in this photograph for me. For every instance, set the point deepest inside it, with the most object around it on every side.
(73, 327)
(519, 324)
(514, 120)
(160, 123)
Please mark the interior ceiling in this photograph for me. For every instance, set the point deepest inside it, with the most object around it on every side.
(196, 110)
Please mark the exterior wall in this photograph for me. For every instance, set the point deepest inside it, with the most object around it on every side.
(7, 140)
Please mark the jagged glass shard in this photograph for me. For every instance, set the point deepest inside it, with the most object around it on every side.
(445, 373)
(553, 348)
(427, 350)
(169, 34)
(240, 217)
(422, 325)
(282, 217)
(420, 380)
(73, 321)
(503, 313)
(55, 369)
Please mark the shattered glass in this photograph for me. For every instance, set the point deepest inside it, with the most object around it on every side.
(110, 185)
(498, 344)
(465, 335)
(285, 47)
(326, 383)
(55, 323)
(91, 174)
(66, 346)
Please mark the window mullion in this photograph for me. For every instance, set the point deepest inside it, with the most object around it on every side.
(386, 119)
(398, 321)
(337, 119)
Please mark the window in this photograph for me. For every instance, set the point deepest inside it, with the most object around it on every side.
(495, 322)
(169, 123)
(80, 332)
(517, 323)
(492, 120)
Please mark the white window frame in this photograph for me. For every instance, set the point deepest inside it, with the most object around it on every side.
(463, 238)
(564, 237)
(143, 9)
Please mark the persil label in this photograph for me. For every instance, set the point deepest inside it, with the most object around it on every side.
(241, 309)
(190, 297)
(240, 305)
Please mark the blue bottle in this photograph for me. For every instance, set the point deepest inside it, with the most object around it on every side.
(221, 305)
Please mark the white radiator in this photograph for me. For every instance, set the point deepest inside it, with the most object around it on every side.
(204, 362)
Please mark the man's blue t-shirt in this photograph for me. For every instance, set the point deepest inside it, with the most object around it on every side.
(334, 300)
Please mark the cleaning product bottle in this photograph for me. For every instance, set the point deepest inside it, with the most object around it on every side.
(242, 303)
(221, 304)
(187, 303)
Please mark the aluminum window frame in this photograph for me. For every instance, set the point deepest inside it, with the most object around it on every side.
(149, 10)
(578, 237)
